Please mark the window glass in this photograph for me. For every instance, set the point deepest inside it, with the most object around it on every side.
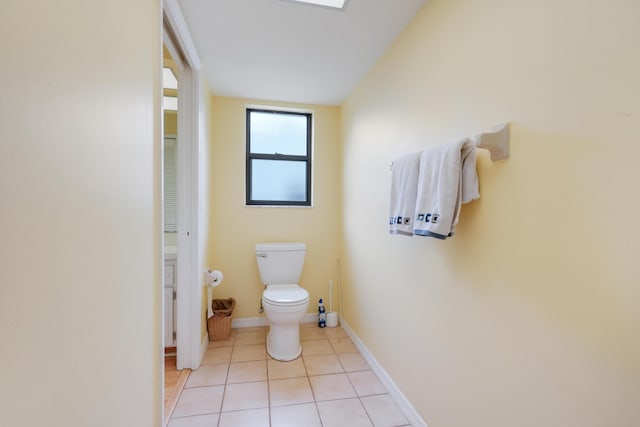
(277, 180)
(275, 132)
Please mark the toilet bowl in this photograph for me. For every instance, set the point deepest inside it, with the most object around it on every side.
(285, 307)
(285, 303)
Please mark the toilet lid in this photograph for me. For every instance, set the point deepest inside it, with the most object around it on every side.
(285, 294)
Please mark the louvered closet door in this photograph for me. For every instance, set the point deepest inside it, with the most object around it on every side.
(170, 182)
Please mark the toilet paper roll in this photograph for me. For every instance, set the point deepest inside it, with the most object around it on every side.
(213, 278)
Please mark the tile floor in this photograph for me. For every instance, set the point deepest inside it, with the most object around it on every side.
(239, 385)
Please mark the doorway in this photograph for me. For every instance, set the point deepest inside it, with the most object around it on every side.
(174, 379)
(169, 178)
(184, 241)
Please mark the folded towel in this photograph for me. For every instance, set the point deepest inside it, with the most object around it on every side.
(404, 185)
(447, 179)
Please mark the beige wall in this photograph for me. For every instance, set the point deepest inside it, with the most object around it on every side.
(170, 122)
(235, 229)
(79, 178)
(529, 315)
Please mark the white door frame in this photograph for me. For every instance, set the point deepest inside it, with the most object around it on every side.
(189, 280)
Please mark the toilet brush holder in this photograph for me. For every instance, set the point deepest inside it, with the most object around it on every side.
(332, 319)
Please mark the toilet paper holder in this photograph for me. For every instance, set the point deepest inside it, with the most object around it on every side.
(212, 278)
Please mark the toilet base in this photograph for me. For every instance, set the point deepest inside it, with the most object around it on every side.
(283, 342)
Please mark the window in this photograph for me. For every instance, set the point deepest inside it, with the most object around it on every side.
(278, 158)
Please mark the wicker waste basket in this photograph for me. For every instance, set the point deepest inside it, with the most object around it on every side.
(219, 325)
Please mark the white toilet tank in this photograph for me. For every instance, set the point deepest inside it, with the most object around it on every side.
(280, 263)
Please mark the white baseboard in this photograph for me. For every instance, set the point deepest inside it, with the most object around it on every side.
(310, 318)
(252, 322)
(249, 322)
(403, 403)
(203, 348)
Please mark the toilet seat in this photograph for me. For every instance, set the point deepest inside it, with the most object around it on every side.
(285, 295)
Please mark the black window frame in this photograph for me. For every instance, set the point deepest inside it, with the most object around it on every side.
(280, 157)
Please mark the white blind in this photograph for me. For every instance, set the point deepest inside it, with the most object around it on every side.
(170, 184)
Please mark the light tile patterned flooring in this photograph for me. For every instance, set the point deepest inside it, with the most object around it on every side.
(239, 385)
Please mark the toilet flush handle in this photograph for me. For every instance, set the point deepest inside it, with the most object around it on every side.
(261, 255)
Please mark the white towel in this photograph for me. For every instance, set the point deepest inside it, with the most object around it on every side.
(447, 179)
(404, 186)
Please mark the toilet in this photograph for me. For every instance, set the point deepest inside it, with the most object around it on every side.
(284, 301)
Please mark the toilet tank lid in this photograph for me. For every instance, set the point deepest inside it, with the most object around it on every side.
(275, 247)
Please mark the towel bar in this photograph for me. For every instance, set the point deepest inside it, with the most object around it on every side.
(496, 141)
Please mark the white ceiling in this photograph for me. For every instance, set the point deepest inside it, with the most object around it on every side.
(281, 50)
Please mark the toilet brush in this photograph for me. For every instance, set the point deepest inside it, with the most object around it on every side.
(332, 317)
